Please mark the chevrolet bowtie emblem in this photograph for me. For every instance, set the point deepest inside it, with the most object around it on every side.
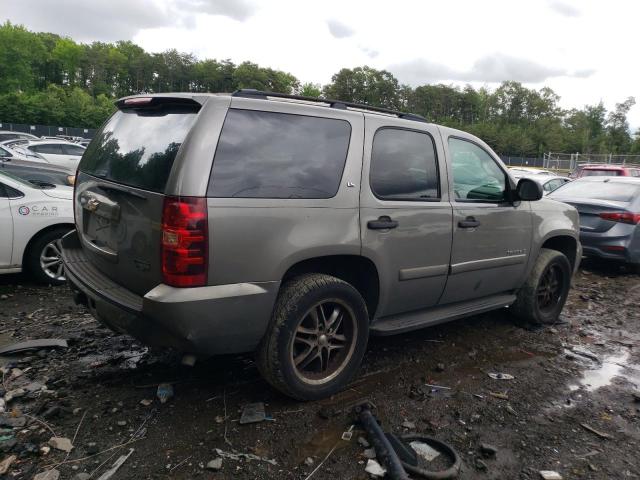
(92, 205)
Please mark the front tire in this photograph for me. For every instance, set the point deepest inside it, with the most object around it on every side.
(542, 297)
(43, 259)
(317, 337)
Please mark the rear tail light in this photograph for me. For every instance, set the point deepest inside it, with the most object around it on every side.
(622, 217)
(184, 241)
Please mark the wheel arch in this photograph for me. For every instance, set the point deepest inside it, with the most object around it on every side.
(357, 270)
(565, 244)
(38, 234)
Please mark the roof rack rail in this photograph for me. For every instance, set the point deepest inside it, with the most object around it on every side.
(261, 95)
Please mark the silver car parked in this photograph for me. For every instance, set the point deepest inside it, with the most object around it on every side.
(296, 227)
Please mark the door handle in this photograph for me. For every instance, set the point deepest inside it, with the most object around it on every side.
(469, 222)
(382, 223)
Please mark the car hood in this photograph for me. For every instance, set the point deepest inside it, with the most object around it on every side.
(61, 191)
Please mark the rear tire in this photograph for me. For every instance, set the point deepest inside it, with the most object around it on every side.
(43, 260)
(317, 337)
(542, 297)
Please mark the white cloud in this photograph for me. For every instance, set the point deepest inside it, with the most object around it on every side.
(559, 43)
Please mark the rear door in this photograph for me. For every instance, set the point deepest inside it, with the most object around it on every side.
(491, 235)
(120, 189)
(405, 215)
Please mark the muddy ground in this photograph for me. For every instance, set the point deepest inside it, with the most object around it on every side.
(584, 370)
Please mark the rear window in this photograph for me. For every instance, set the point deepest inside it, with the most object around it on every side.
(138, 147)
(601, 173)
(278, 155)
(47, 148)
(611, 191)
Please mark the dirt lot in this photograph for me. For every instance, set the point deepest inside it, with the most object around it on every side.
(584, 370)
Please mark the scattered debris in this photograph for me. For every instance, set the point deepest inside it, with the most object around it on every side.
(52, 474)
(165, 392)
(373, 468)
(550, 475)
(439, 387)
(408, 425)
(308, 461)
(7, 420)
(363, 442)
(15, 393)
(510, 409)
(61, 443)
(501, 376)
(145, 402)
(114, 468)
(425, 451)
(596, 432)
(488, 450)
(82, 476)
(246, 456)
(215, 464)
(33, 345)
(370, 453)
(346, 436)
(6, 463)
(439, 367)
(501, 396)
(252, 413)
(480, 465)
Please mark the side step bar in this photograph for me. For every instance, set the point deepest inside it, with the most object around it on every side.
(405, 322)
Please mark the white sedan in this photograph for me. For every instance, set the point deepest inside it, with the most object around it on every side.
(32, 221)
(57, 152)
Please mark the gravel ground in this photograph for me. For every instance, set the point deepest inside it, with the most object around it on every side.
(572, 405)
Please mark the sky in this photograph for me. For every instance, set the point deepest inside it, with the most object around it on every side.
(586, 51)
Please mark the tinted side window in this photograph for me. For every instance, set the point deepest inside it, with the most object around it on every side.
(476, 175)
(51, 148)
(277, 155)
(72, 150)
(403, 165)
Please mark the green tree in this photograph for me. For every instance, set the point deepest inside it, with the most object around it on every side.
(364, 85)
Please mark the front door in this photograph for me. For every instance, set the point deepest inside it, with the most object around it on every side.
(491, 235)
(6, 229)
(405, 215)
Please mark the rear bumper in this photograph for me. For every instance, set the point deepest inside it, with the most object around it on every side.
(621, 243)
(208, 320)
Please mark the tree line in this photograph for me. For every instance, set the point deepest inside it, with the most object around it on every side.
(49, 79)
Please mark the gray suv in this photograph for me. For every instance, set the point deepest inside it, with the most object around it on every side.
(295, 228)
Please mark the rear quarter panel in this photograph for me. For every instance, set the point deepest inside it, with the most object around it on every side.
(259, 239)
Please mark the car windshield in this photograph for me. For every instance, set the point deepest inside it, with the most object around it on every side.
(610, 191)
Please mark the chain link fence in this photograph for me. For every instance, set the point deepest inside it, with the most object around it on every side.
(572, 161)
(48, 130)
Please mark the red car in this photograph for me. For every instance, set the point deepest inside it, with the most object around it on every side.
(608, 171)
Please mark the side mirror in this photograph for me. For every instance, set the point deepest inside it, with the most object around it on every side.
(529, 190)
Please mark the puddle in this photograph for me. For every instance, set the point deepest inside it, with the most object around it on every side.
(611, 367)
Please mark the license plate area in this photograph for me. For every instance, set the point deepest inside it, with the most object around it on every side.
(101, 227)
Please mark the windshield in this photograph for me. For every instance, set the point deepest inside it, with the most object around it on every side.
(138, 147)
(601, 173)
(610, 191)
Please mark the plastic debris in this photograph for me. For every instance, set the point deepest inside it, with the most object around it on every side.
(488, 450)
(52, 474)
(501, 396)
(33, 345)
(370, 453)
(215, 464)
(550, 475)
(425, 451)
(252, 413)
(375, 469)
(348, 435)
(246, 456)
(363, 442)
(6, 463)
(501, 376)
(145, 402)
(165, 392)
(409, 425)
(61, 443)
(309, 461)
(114, 468)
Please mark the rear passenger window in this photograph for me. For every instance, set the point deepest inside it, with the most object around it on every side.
(52, 148)
(403, 165)
(73, 150)
(278, 155)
